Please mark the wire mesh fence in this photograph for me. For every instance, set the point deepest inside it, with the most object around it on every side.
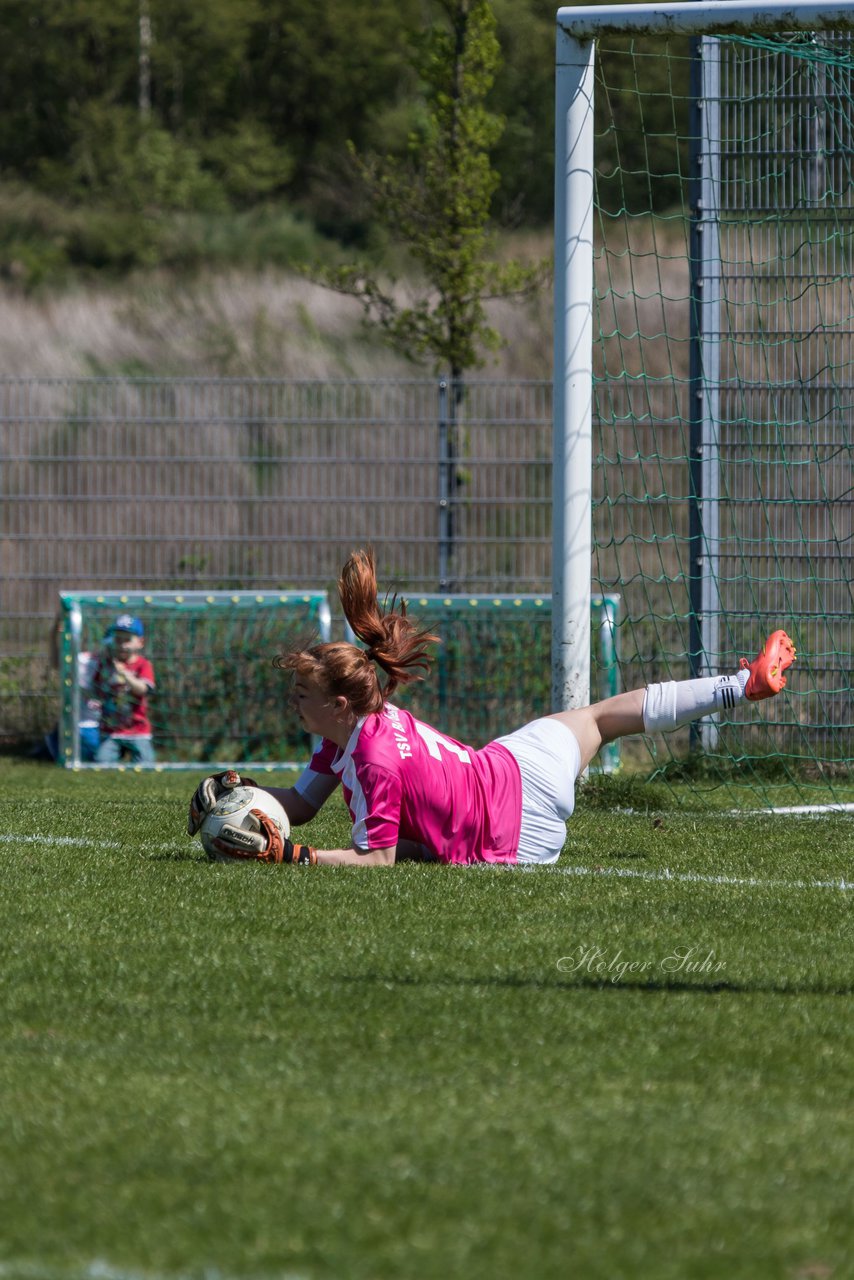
(119, 485)
(161, 484)
(725, 375)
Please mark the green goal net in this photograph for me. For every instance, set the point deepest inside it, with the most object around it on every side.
(723, 400)
(218, 700)
(491, 673)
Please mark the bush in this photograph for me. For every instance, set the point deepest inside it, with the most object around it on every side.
(249, 165)
(121, 159)
(45, 242)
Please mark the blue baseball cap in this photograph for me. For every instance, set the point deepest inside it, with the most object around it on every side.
(127, 622)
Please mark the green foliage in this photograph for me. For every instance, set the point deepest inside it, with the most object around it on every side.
(249, 163)
(261, 236)
(45, 242)
(257, 101)
(122, 158)
(56, 58)
(523, 94)
(437, 201)
(238, 1052)
(27, 695)
(112, 240)
(234, 93)
(321, 74)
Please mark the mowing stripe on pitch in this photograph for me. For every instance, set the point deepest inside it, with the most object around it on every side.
(622, 873)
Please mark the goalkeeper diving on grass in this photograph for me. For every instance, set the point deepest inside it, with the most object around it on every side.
(414, 793)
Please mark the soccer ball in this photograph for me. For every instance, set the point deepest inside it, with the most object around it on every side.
(234, 810)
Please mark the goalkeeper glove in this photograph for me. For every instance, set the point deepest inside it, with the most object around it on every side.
(208, 792)
(263, 844)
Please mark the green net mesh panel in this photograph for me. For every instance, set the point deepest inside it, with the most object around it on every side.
(492, 671)
(218, 699)
(723, 465)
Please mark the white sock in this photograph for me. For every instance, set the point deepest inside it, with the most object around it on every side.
(677, 702)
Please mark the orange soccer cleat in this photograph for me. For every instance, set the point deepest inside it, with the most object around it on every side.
(766, 670)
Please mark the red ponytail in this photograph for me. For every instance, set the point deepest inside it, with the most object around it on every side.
(393, 642)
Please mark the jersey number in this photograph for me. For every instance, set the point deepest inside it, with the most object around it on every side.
(433, 741)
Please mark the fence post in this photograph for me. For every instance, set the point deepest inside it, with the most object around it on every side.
(445, 463)
(705, 373)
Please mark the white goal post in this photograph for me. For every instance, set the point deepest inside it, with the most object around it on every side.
(577, 32)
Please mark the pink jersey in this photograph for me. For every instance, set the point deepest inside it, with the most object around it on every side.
(404, 781)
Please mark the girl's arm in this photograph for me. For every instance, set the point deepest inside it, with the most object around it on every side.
(295, 806)
(300, 811)
(356, 857)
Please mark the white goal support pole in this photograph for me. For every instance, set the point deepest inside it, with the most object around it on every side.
(573, 388)
(577, 29)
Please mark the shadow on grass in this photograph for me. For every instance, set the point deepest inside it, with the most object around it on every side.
(653, 986)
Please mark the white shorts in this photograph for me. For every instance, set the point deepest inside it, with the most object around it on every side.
(549, 760)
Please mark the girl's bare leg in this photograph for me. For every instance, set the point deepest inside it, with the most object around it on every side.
(605, 721)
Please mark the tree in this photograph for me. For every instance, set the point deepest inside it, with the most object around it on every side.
(436, 200)
(323, 73)
(524, 93)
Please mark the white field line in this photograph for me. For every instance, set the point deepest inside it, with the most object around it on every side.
(86, 842)
(99, 1270)
(790, 810)
(696, 877)
(623, 873)
(800, 810)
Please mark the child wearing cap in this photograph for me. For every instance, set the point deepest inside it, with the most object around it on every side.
(121, 682)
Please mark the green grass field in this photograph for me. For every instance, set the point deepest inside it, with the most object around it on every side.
(638, 1064)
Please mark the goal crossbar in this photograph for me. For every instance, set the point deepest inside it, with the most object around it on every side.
(716, 17)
